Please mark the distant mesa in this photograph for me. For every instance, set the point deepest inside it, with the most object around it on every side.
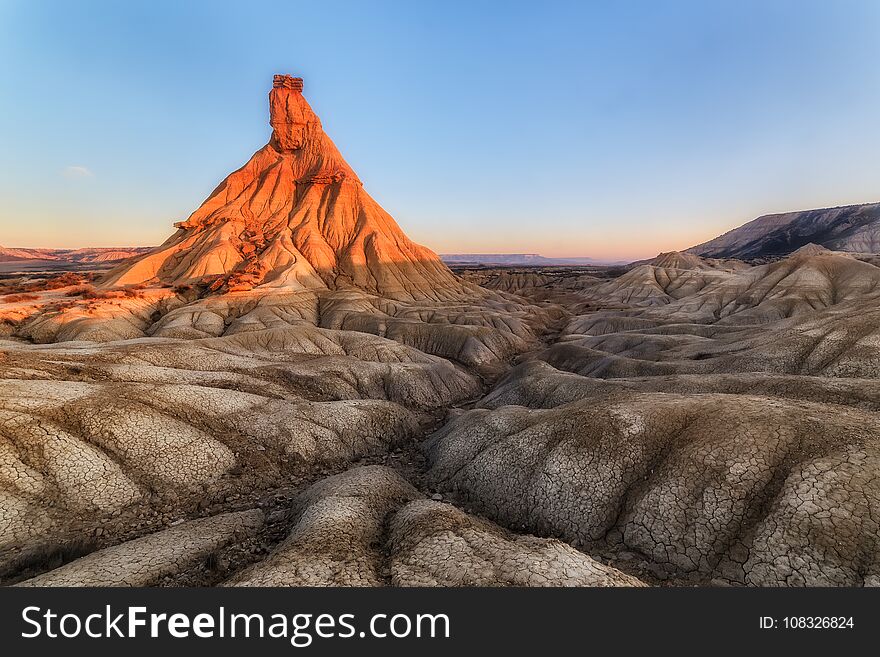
(13, 255)
(295, 216)
(852, 228)
(70, 256)
(515, 260)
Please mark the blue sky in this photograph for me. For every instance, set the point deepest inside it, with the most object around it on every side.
(611, 129)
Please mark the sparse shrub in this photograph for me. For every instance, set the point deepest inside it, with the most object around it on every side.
(64, 280)
(59, 306)
(16, 298)
(89, 292)
(81, 290)
(43, 284)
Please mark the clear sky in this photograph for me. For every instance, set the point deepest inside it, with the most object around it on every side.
(605, 129)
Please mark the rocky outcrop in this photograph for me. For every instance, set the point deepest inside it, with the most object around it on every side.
(294, 217)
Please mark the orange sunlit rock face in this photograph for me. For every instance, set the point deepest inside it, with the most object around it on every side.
(289, 115)
(295, 216)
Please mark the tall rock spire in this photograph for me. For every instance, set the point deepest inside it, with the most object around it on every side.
(295, 216)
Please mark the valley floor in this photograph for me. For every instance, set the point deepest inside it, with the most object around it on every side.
(684, 421)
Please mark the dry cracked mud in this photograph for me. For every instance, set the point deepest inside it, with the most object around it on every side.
(602, 445)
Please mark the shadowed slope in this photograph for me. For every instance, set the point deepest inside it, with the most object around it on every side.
(854, 228)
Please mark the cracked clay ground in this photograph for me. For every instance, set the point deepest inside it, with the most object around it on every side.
(670, 424)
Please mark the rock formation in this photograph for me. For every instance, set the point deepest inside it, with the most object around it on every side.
(295, 216)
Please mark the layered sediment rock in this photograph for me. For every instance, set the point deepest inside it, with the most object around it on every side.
(294, 216)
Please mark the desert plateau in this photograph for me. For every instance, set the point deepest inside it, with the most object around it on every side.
(290, 392)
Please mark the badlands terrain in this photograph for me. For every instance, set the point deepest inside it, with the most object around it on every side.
(289, 391)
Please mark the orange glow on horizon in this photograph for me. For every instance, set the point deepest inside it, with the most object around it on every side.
(614, 247)
(608, 247)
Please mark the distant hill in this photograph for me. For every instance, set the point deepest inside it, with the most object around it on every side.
(853, 228)
(109, 254)
(679, 260)
(78, 256)
(15, 255)
(514, 260)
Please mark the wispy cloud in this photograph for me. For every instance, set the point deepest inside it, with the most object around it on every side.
(73, 172)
